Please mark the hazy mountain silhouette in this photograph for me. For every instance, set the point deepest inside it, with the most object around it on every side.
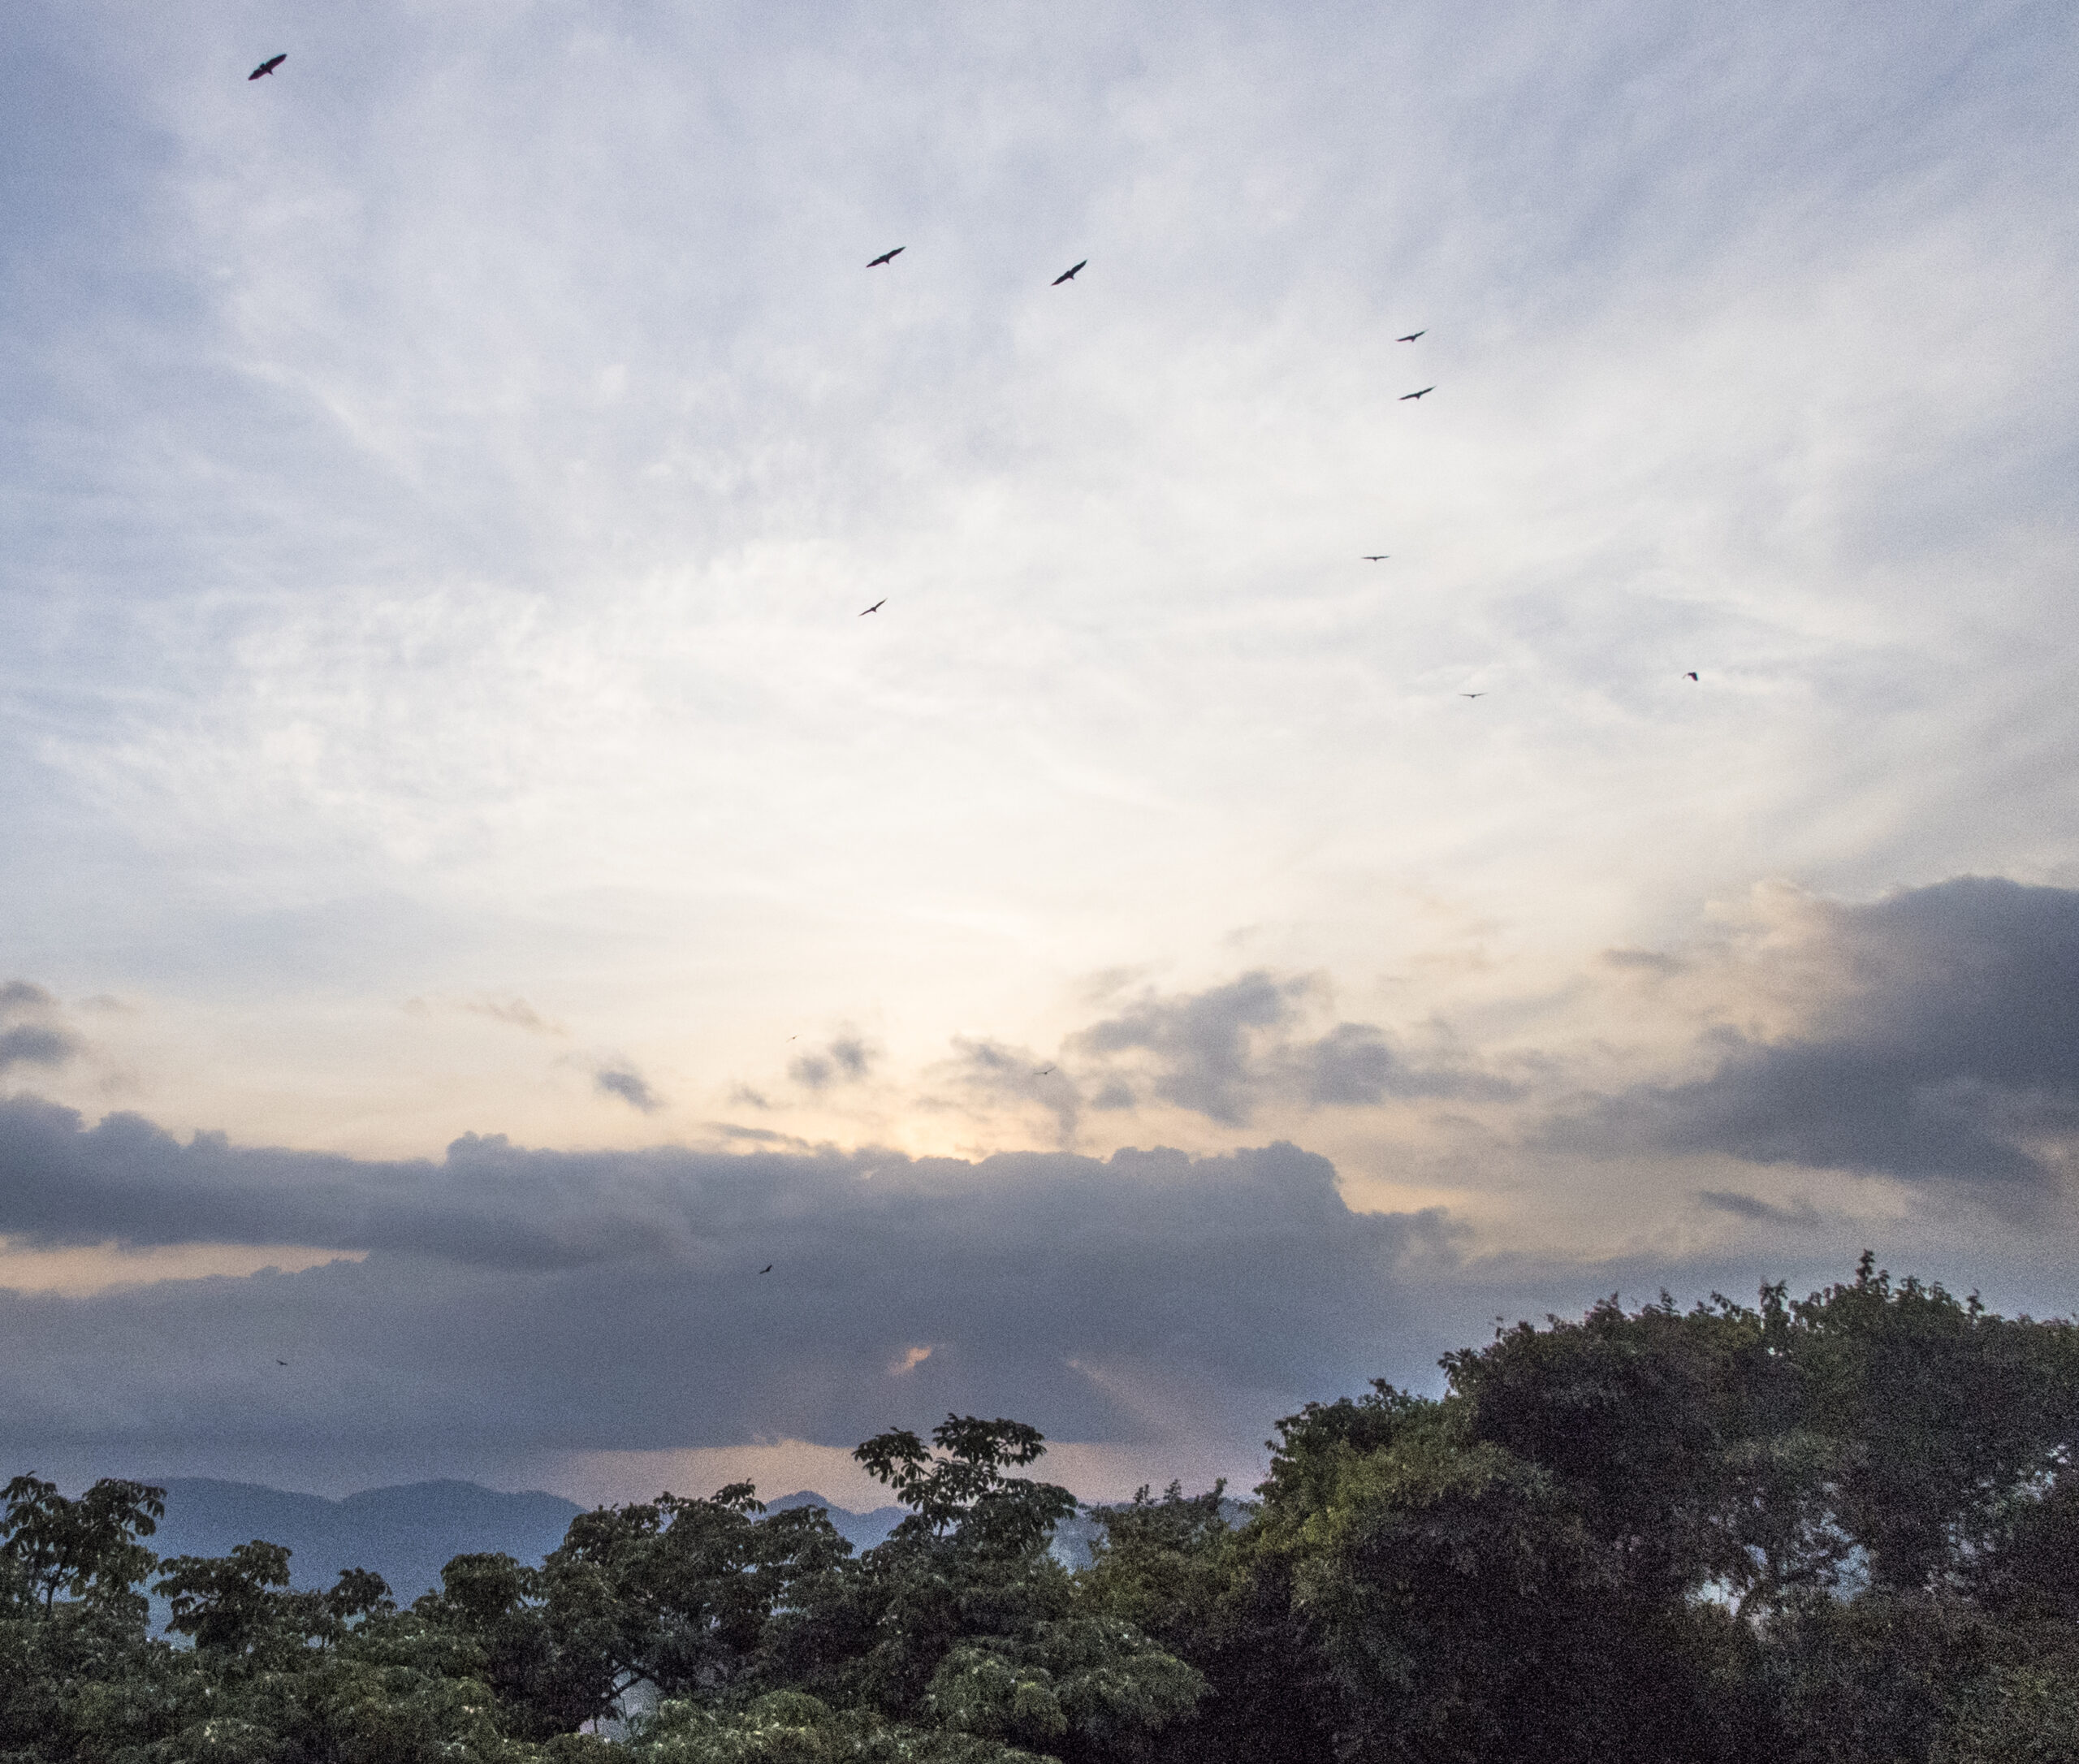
(863, 1531)
(407, 1533)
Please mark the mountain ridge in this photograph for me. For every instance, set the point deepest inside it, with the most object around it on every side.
(406, 1532)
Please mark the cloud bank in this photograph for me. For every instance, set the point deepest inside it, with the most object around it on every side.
(524, 1299)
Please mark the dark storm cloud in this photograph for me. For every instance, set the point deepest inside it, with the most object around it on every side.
(1949, 1048)
(127, 1181)
(613, 1299)
(1227, 1051)
(630, 1086)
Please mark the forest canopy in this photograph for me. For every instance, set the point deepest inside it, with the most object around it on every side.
(1839, 1528)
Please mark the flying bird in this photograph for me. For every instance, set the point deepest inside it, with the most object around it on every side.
(888, 257)
(1423, 393)
(1068, 275)
(268, 65)
(1472, 694)
(1042, 1071)
(1377, 557)
(281, 1362)
(1411, 336)
(767, 1269)
(877, 606)
(1692, 676)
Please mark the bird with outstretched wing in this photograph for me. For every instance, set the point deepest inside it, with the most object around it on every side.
(1425, 391)
(1068, 275)
(888, 257)
(267, 66)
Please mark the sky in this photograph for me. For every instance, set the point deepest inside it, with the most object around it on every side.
(477, 887)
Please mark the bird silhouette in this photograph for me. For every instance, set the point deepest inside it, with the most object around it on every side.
(1042, 1071)
(1068, 275)
(267, 66)
(281, 1362)
(1423, 393)
(1377, 557)
(1692, 676)
(877, 606)
(1410, 337)
(1472, 694)
(767, 1269)
(888, 257)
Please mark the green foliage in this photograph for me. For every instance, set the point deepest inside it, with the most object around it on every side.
(961, 1638)
(789, 1727)
(1871, 1432)
(678, 1593)
(2018, 1715)
(1088, 1685)
(1464, 1605)
(1941, 1412)
(962, 1483)
(87, 1548)
(1163, 1565)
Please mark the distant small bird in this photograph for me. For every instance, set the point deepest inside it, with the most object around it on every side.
(267, 66)
(888, 257)
(767, 1269)
(1472, 694)
(281, 1362)
(1425, 391)
(1692, 676)
(1377, 557)
(1411, 336)
(1042, 1071)
(877, 606)
(1068, 275)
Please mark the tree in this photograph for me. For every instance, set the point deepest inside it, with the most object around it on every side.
(88, 1547)
(678, 1593)
(963, 1619)
(1461, 1605)
(962, 1483)
(1944, 1414)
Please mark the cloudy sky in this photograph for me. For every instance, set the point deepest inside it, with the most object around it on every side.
(474, 890)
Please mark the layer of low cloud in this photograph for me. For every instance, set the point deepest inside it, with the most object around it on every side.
(611, 1301)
